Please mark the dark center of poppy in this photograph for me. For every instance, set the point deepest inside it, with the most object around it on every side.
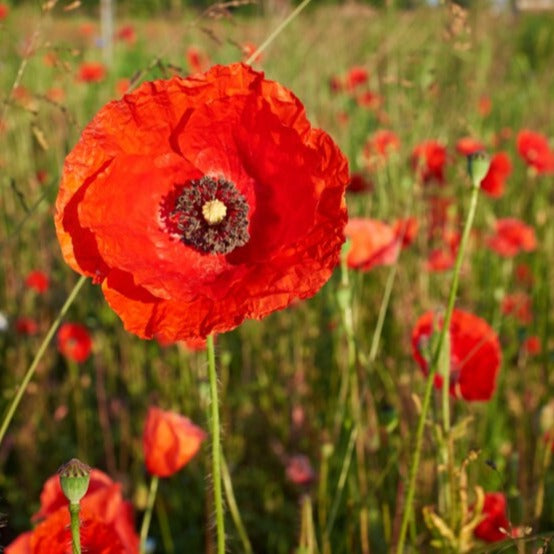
(211, 215)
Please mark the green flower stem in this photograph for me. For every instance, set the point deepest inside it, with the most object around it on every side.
(80, 410)
(408, 506)
(38, 356)
(148, 513)
(216, 448)
(74, 524)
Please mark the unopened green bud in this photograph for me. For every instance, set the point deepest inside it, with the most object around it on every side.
(74, 479)
(478, 165)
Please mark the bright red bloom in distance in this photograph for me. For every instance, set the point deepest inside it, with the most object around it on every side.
(373, 243)
(474, 353)
(91, 72)
(38, 281)
(499, 170)
(532, 345)
(74, 342)
(356, 77)
(429, 160)
(169, 441)
(535, 150)
(468, 145)
(511, 237)
(127, 33)
(518, 304)
(107, 521)
(495, 526)
(26, 326)
(4, 11)
(238, 203)
(369, 99)
(484, 105)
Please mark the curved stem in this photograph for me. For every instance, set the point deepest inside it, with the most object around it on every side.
(148, 513)
(38, 356)
(406, 516)
(216, 448)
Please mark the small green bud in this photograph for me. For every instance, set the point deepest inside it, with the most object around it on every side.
(74, 479)
(478, 165)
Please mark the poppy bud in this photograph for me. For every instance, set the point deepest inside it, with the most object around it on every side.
(74, 480)
(478, 165)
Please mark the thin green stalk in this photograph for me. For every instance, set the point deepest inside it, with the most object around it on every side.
(433, 368)
(74, 524)
(233, 507)
(277, 31)
(38, 356)
(165, 530)
(148, 513)
(80, 410)
(216, 447)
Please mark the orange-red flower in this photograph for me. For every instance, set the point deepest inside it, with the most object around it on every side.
(127, 34)
(4, 11)
(518, 304)
(237, 203)
(169, 441)
(356, 77)
(474, 353)
(429, 160)
(122, 86)
(484, 105)
(91, 72)
(511, 237)
(534, 149)
(406, 230)
(495, 525)
(26, 326)
(379, 146)
(468, 145)
(532, 345)
(495, 179)
(370, 100)
(74, 342)
(107, 521)
(38, 281)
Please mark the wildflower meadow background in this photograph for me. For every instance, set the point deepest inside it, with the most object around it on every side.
(402, 400)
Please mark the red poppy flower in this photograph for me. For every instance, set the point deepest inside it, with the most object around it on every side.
(359, 183)
(495, 525)
(439, 208)
(26, 326)
(336, 83)
(379, 146)
(299, 470)
(406, 230)
(499, 170)
(440, 259)
(429, 160)
(484, 105)
(55, 94)
(524, 275)
(532, 345)
(4, 11)
(370, 100)
(169, 441)
(42, 176)
(356, 77)
(38, 281)
(74, 342)
(535, 150)
(468, 145)
(238, 204)
(127, 34)
(87, 29)
(107, 521)
(373, 243)
(511, 237)
(91, 72)
(474, 353)
(197, 60)
(518, 304)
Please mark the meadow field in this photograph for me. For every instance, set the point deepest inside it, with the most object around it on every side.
(396, 397)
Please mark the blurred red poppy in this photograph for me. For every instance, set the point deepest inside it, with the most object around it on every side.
(468, 145)
(356, 77)
(299, 470)
(359, 183)
(4, 11)
(55, 94)
(169, 441)
(499, 170)
(107, 521)
(197, 60)
(122, 86)
(373, 243)
(238, 203)
(91, 72)
(379, 146)
(87, 29)
(532, 345)
(369, 99)
(74, 342)
(406, 230)
(495, 525)
(38, 281)
(440, 259)
(474, 353)
(523, 274)
(511, 237)
(336, 84)
(518, 304)
(484, 105)
(26, 326)
(534, 149)
(127, 34)
(429, 160)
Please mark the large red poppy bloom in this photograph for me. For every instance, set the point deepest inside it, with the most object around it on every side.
(199, 202)
(107, 521)
(474, 353)
(169, 441)
(511, 237)
(495, 525)
(535, 150)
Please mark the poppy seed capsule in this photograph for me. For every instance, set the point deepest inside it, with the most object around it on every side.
(74, 480)
(478, 165)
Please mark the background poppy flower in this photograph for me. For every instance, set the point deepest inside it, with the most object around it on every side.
(38, 281)
(511, 237)
(474, 353)
(532, 345)
(4, 11)
(499, 170)
(238, 204)
(379, 146)
(299, 470)
(495, 525)
(534, 149)
(518, 304)
(356, 77)
(468, 145)
(127, 34)
(429, 160)
(359, 183)
(91, 72)
(26, 326)
(169, 441)
(373, 243)
(74, 342)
